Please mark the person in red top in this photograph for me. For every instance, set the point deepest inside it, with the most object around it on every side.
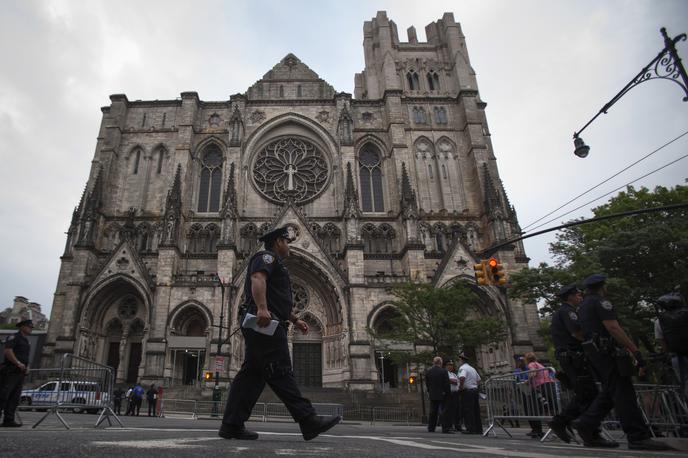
(544, 385)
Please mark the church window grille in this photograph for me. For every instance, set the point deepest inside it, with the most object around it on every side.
(136, 161)
(370, 170)
(211, 180)
(413, 80)
(433, 81)
(249, 238)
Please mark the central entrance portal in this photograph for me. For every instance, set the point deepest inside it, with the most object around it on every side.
(308, 364)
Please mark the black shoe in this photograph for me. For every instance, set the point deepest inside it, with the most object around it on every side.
(586, 433)
(11, 424)
(560, 430)
(447, 431)
(235, 432)
(649, 444)
(314, 425)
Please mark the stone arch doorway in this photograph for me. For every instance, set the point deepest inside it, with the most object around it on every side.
(382, 323)
(188, 342)
(113, 326)
(307, 354)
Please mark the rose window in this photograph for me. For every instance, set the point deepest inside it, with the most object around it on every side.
(300, 298)
(290, 169)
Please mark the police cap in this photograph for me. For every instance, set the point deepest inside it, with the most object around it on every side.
(280, 232)
(566, 290)
(25, 323)
(594, 280)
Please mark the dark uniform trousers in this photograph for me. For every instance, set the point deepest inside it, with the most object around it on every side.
(11, 380)
(584, 387)
(266, 360)
(470, 403)
(618, 393)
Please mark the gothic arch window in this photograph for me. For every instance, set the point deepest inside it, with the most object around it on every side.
(440, 115)
(213, 236)
(433, 81)
(430, 171)
(161, 157)
(191, 322)
(329, 237)
(281, 91)
(419, 116)
(456, 232)
(144, 237)
(249, 238)
(413, 80)
(386, 320)
(444, 171)
(298, 91)
(386, 236)
(194, 238)
(137, 159)
(439, 232)
(369, 236)
(370, 174)
(211, 180)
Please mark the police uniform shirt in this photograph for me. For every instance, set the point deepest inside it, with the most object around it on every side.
(20, 346)
(592, 312)
(565, 324)
(472, 379)
(453, 382)
(278, 284)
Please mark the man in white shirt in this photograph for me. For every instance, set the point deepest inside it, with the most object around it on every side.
(454, 405)
(469, 397)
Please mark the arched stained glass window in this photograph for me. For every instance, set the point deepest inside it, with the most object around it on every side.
(370, 169)
(433, 81)
(211, 180)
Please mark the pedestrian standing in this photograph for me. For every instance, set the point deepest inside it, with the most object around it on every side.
(137, 394)
(608, 349)
(269, 296)
(670, 332)
(454, 407)
(129, 396)
(152, 399)
(117, 397)
(438, 385)
(469, 379)
(14, 369)
(544, 387)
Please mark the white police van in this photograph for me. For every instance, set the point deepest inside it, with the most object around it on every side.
(72, 393)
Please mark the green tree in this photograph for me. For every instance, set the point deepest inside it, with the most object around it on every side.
(645, 256)
(439, 319)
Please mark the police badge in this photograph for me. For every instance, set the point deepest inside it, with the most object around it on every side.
(606, 305)
(268, 258)
(573, 316)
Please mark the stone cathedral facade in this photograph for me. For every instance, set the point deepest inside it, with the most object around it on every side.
(398, 182)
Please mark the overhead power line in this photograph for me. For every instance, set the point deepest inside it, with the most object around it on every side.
(612, 191)
(606, 180)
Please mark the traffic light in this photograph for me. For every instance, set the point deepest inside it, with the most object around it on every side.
(412, 380)
(208, 376)
(497, 274)
(481, 275)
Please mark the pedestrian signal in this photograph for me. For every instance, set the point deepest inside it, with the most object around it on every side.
(481, 276)
(412, 380)
(208, 376)
(497, 273)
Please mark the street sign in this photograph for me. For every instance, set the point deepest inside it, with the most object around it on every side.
(219, 364)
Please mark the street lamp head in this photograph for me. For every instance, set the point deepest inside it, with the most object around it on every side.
(582, 149)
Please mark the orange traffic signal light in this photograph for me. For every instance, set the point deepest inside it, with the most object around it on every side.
(412, 380)
(496, 272)
(208, 376)
(481, 275)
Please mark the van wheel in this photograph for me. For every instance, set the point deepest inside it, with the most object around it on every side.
(78, 401)
(25, 401)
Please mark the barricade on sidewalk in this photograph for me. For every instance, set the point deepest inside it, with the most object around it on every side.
(78, 385)
(392, 414)
(512, 400)
(178, 408)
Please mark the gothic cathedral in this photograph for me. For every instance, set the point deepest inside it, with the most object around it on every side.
(397, 183)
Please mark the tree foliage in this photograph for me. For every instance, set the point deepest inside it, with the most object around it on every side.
(644, 255)
(443, 320)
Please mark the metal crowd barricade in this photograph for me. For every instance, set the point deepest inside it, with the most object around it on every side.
(392, 414)
(79, 384)
(176, 408)
(513, 398)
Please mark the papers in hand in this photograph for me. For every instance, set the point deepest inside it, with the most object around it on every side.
(251, 322)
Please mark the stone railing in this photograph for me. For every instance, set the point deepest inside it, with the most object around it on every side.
(195, 278)
(385, 279)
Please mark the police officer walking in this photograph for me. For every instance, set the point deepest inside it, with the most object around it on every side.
(567, 337)
(269, 296)
(14, 368)
(607, 348)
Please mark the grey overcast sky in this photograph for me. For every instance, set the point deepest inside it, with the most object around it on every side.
(543, 67)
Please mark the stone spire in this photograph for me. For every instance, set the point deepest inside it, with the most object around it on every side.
(493, 203)
(173, 210)
(351, 207)
(409, 205)
(229, 208)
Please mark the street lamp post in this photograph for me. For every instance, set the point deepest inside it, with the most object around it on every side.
(382, 369)
(216, 389)
(667, 65)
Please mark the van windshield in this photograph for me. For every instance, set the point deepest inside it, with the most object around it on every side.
(48, 387)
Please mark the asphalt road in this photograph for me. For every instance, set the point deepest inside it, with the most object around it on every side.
(163, 437)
